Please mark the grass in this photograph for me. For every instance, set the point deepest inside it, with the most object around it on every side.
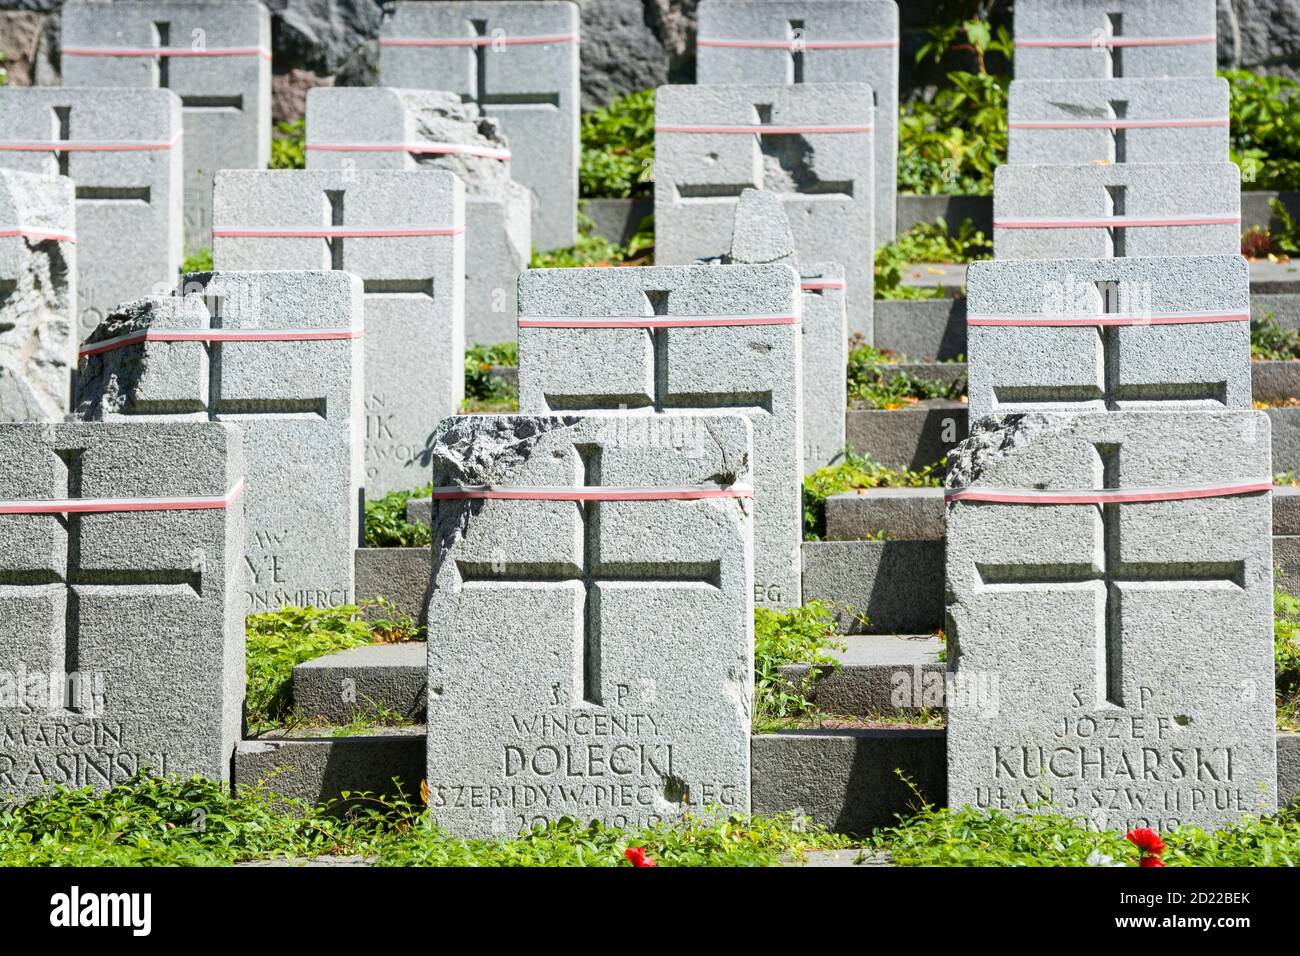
(386, 524)
(857, 472)
(278, 640)
(926, 242)
(871, 383)
(149, 821)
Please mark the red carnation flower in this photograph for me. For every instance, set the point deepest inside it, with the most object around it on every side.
(636, 856)
(1149, 861)
(1146, 840)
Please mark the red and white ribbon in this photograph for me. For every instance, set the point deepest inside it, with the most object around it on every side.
(762, 129)
(1119, 222)
(1191, 123)
(69, 506)
(481, 40)
(33, 232)
(651, 321)
(218, 335)
(1106, 496)
(146, 51)
(796, 44)
(487, 152)
(336, 233)
(1105, 320)
(479, 492)
(1111, 42)
(69, 146)
(819, 285)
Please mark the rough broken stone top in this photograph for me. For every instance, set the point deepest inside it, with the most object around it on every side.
(140, 358)
(761, 233)
(1053, 458)
(433, 128)
(1067, 293)
(659, 297)
(36, 208)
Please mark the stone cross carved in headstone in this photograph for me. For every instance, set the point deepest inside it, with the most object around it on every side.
(1118, 39)
(38, 290)
(691, 340)
(403, 233)
(809, 144)
(519, 62)
(382, 128)
(1118, 121)
(1095, 564)
(1089, 211)
(1169, 332)
(823, 41)
(215, 56)
(290, 376)
(543, 519)
(122, 149)
(118, 593)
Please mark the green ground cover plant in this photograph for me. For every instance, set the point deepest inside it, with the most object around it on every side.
(1264, 130)
(803, 635)
(289, 144)
(1286, 656)
(150, 821)
(871, 381)
(1271, 341)
(853, 473)
(276, 641)
(951, 143)
(618, 148)
(386, 524)
(485, 392)
(926, 242)
(592, 249)
(198, 261)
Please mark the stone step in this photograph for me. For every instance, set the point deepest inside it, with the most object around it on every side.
(842, 779)
(358, 680)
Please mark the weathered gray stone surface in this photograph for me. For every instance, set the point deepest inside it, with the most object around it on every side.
(124, 627)
(130, 190)
(1087, 641)
(402, 232)
(877, 587)
(363, 680)
(823, 174)
(379, 121)
(931, 330)
(907, 437)
(1191, 365)
(761, 235)
(568, 648)
(298, 405)
(1182, 120)
(1030, 203)
(318, 770)
(751, 369)
(38, 292)
(398, 575)
(225, 93)
(1097, 36)
(809, 56)
(903, 514)
(530, 88)
(847, 779)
